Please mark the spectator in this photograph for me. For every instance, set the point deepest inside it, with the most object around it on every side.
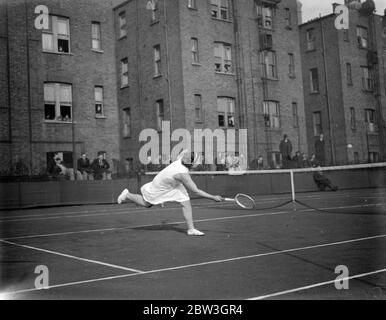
(84, 167)
(220, 162)
(297, 160)
(323, 182)
(313, 161)
(257, 164)
(305, 161)
(58, 170)
(320, 150)
(100, 168)
(286, 151)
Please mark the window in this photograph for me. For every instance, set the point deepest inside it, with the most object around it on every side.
(192, 4)
(269, 64)
(267, 15)
(226, 112)
(317, 120)
(314, 78)
(57, 37)
(362, 37)
(349, 74)
(57, 102)
(287, 18)
(98, 94)
(195, 55)
(271, 114)
(96, 35)
(127, 123)
(223, 57)
(373, 157)
(124, 72)
(160, 113)
(353, 119)
(154, 12)
(198, 107)
(291, 66)
(122, 24)
(356, 158)
(220, 9)
(310, 39)
(157, 60)
(370, 120)
(295, 114)
(366, 79)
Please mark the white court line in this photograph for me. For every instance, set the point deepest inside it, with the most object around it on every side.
(72, 257)
(183, 222)
(272, 253)
(88, 213)
(320, 284)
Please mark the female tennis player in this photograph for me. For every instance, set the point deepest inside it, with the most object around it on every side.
(170, 185)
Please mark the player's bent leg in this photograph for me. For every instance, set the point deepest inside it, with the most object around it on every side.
(136, 198)
(187, 211)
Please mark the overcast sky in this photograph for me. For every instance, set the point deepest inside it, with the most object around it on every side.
(312, 8)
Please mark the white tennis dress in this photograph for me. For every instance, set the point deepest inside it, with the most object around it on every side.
(164, 187)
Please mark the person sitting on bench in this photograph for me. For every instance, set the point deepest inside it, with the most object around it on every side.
(323, 182)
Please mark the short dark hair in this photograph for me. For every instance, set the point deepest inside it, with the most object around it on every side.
(190, 163)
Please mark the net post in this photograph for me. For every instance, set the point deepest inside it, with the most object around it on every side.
(293, 189)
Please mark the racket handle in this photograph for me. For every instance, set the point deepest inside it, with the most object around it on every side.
(229, 199)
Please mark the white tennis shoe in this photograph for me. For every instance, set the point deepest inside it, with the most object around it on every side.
(195, 232)
(123, 196)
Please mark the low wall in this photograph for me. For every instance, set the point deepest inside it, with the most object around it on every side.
(34, 194)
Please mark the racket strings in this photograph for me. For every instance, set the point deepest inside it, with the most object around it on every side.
(245, 201)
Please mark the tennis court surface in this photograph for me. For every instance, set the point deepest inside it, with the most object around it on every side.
(270, 252)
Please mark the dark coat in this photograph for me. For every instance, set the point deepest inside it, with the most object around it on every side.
(286, 149)
(320, 150)
(83, 165)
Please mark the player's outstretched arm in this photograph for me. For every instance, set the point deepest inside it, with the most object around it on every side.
(189, 184)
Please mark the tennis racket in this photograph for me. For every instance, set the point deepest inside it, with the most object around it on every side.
(242, 200)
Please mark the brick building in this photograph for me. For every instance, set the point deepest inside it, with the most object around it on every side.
(344, 85)
(57, 86)
(211, 64)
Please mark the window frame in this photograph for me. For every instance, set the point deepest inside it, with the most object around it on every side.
(223, 48)
(312, 84)
(217, 8)
(96, 102)
(228, 112)
(195, 50)
(99, 37)
(57, 102)
(362, 34)
(349, 74)
(127, 123)
(295, 114)
(353, 118)
(270, 115)
(122, 32)
(198, 107)
(157, 60)
(55, 36)
(367, 84)
(310, 39)
(160, 115)
(315, 125)
(267, 66)
(124, 74)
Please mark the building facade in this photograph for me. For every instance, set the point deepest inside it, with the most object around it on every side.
(344, 85)
(57, 85)
(208, 64)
